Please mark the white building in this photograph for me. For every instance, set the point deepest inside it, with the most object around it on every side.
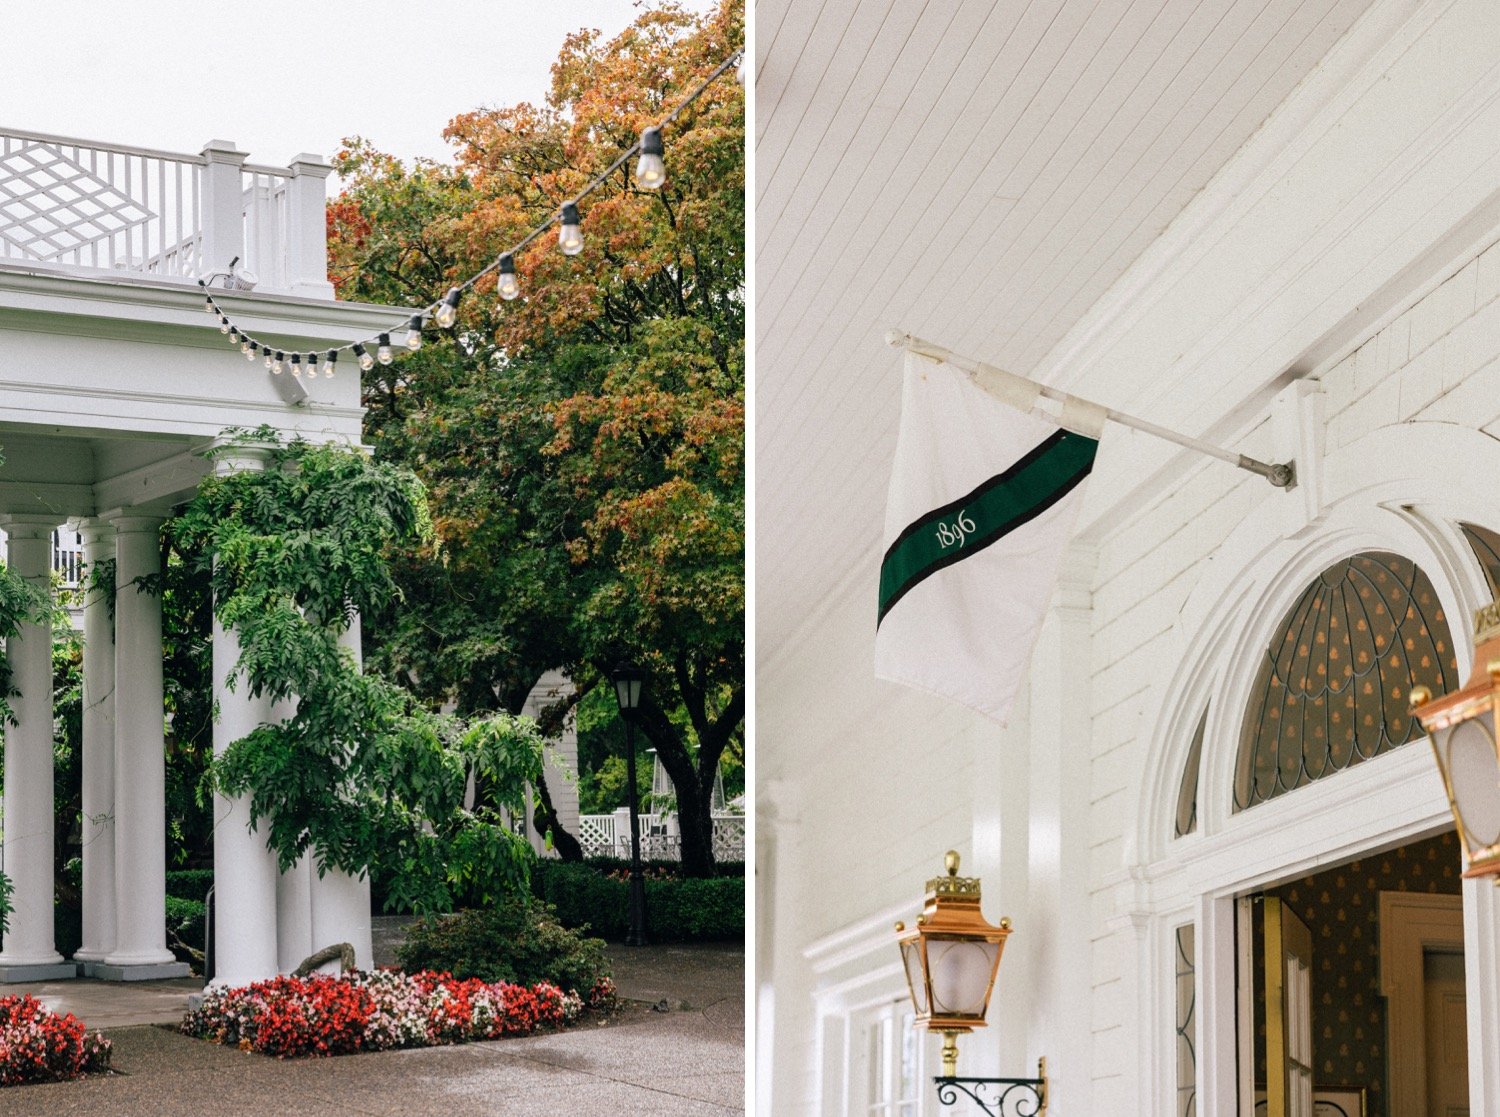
(113, 383)
(1272, 224)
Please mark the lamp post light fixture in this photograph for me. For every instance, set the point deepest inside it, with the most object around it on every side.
(951, 957)
(1461, 729)
(630, 683)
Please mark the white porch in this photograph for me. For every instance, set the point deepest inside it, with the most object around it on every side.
(113, 383)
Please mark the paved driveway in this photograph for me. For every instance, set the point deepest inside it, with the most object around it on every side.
(689, 1059)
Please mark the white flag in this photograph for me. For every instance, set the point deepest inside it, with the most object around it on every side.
(982, 501)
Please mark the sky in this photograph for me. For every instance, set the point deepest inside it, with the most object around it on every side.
(279, 77)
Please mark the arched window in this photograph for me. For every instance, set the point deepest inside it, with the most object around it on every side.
(1187, 791)
(1332, 689)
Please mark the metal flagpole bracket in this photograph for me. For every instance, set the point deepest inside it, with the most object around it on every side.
(1281, 474)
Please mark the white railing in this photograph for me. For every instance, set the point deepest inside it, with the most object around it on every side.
(67, 557)
(608, 835)
(70, 204)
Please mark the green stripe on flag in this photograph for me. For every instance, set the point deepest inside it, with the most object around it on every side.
(968, 525)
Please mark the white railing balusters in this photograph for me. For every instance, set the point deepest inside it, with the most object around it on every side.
(68, 203)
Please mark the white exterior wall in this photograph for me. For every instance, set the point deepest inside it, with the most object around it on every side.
(1351, 245)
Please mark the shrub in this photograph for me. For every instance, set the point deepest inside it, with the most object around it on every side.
(515, 941)
(596, 894)
(190, 884)
(37, 1045)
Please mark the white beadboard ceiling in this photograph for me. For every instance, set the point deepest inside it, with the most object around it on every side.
(978, 172)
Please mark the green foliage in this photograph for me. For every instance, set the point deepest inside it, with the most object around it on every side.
(685, 910)
(185, 922)
(189, 884)
(360, 774)
(512, 941)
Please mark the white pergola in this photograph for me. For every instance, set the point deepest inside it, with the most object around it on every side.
(113, 385)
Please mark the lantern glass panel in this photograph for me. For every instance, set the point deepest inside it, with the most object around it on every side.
(911, 958)
(1474, 775)
(960, 970)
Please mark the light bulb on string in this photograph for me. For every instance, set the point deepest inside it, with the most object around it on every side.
(651, 168)
(366, 362)
(297, 365)
(312, 365)
(569, 233)
(506, 284)
(414, 333)
(267, 353)
(245, 350)
(234, 336)
(276, 364)
(384, 354)
(208, 305)
(223, 325)
(328, 363)
(447, 311)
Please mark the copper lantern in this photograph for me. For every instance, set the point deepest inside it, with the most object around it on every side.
(951, 957)
(1461, 727)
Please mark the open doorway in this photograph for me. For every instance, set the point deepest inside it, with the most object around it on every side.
(1356, 989)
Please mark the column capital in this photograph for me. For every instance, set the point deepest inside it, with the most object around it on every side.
(132, 521)
(30, 525)
(229, 455)
(98, 536)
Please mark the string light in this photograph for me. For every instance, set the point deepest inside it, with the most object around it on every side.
(569, 234)
(506, 284)
(447, 313)
(650, 174)
(651, 169)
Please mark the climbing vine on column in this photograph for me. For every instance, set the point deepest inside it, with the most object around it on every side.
(360, 774)
(21, 603)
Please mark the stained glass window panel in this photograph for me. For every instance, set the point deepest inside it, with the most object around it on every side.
(1187, 793)
(1187, 1028)
(1332, 687)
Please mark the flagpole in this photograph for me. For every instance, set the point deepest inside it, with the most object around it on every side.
(1282, 475)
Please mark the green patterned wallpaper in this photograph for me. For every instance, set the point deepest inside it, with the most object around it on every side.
(1341, 907)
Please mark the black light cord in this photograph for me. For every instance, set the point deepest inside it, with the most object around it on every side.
(419, 319)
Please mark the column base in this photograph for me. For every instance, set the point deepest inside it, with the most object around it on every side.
(82, 956)
(145, 971)
(12, 972)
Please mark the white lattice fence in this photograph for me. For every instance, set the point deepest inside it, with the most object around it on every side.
(596, 834)
(729, 837)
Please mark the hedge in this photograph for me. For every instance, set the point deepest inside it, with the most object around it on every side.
(676, 910)
(190, 884)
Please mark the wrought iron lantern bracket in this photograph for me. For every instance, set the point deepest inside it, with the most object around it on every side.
(999, 1097)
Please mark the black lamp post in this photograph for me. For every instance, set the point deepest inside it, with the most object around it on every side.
(630, 681)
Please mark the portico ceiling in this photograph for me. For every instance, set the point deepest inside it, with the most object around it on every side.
(981, 174)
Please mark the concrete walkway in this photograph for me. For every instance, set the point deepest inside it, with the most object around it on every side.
(688, 1059)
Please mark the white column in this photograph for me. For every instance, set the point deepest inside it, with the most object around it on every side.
(294, 926)
(307, 228)
(28, 951)
(1482, 979)
(140, 950)
(244, 869)
(1057, 933)
(341, 902)
(223, 207)
(98, 750)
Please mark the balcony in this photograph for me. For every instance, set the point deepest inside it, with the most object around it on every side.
(75, 207)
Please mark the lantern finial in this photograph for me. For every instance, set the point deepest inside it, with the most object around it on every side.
(950, 862)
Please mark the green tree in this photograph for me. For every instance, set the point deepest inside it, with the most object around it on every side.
(583, 445)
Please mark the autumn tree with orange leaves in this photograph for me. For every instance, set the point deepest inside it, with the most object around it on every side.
(583, 444)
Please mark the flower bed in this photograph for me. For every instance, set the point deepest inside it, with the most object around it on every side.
(37, 1045)
(327, 1014)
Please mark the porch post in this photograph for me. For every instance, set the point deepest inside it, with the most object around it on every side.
(244, 868)
(340, 902)
(29, 952)
(307, 228)
(98, 748)
(140, 951)
(223, 208)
